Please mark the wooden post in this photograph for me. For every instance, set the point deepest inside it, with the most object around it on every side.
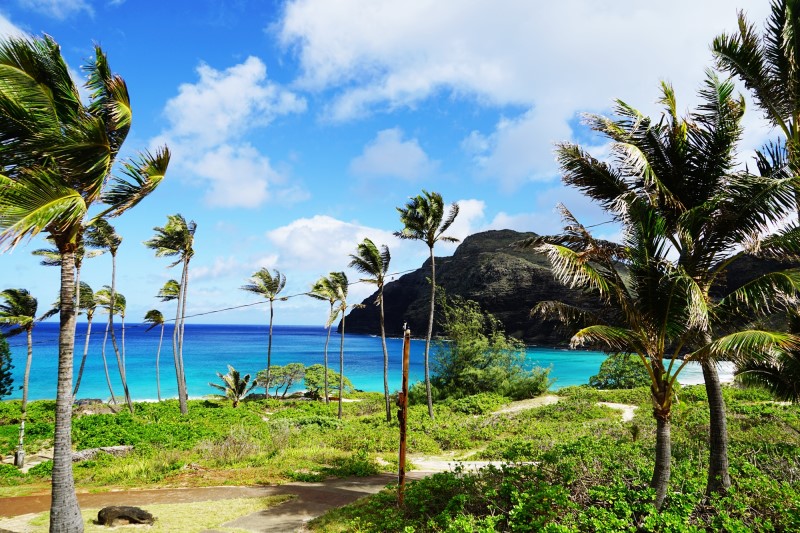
(402, 417)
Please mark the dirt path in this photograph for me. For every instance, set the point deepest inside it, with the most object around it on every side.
(627, 410)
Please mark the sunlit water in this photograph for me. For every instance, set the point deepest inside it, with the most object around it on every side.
(210, 348)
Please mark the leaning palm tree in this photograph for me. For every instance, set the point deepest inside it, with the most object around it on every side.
(175, 239)
(18, 310)
(373, 262)
(58, 156)
(103, 300)
(234, 387)
(769, 66)
(155, 318)
(325, 288)
(269, 286)
(102, 236)
(339, 287)
(424, 220)
(87, 304)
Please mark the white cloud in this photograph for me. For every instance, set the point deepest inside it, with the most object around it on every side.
(221, 267)
(389, 156)
(57, 9)
(550, 60)
(208, 121)
(9, 29)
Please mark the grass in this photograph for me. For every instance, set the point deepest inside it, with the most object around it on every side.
(184, 517)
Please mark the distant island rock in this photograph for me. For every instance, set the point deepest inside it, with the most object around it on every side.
(506, 280)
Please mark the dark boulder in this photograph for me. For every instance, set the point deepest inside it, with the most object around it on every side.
(117, 515)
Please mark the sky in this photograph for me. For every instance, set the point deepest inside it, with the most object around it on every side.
(298, 127)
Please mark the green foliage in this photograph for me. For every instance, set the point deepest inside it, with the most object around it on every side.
(621, 371)
(315, 381)
(6, 381)
(234, 387)
(478, 404)
(282, 377)
(43, 470)
(9, 475)
(479, 356)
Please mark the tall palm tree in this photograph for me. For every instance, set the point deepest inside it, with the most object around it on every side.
(103, 300)
(88, 304)
(171, 291)
(682, 170)
(101, 235)
(58, 156)
(155, 318)
(18, 310)
(269, 286)
(769, 66)
(325, 288)
(339, 287)
(423, 219)
(373, 262)
(175, 239)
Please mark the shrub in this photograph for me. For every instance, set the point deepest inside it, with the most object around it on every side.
(477, 404)
(621, 371)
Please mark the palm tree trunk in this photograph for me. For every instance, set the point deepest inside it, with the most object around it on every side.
(175, 333)
(269, 343)
(428, 337)
(105, 365)
(719, 479)
(327, 339)
(65, 514)
(19, 455)
(120, 360)
(158, 356)
(183, 392)
(661, 472)
(385, 362)
(341, 366)
(85, 353)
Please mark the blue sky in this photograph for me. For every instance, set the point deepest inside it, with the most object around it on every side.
(297, 127)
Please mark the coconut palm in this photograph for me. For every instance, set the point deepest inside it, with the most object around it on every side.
(339, 287)
(18, 310)
(373, 262)
(269, 286)
(769, 66)
(326, 288)
(155, 318)
(682, 170)
(103, 300)
(102, 236)
(423, 219)
(88, 305)
(175, 239)
(234, 387)
(58, 156)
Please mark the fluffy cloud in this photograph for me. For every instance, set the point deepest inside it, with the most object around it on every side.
(548, 61)
(208, 121)
(58, 9)
(9, 29)
(389, 156)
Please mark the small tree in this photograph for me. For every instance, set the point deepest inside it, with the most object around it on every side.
(6, 380)
(314, 380)
(234, 387)
(281, 376)
(621, 371)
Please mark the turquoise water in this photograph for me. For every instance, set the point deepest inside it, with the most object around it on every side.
(209, 348)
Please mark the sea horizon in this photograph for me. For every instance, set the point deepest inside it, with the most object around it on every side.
(209, 348)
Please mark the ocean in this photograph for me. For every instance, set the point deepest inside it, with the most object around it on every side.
(208, 349)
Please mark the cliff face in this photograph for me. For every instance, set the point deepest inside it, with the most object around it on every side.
(506, 281)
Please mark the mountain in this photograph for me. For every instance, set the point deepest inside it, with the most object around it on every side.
(505, 280)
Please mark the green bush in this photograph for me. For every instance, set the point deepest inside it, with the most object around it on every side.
(477, 404)
(621, 371)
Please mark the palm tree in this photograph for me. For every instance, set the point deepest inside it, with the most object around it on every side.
(423, 220)
(681, 170)
(375, 263)
(58, 156)
(19, 311)
(339, 287)
(325, 288)
(103, 299)
(102, 235)
(269, 286)
(234, 387)
(155, 318)
(176, 239)
(769, 66)
(88, 304)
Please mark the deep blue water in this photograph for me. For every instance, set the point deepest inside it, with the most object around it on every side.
(210, 348)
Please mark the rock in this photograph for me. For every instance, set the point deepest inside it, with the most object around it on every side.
(91, 453)
(117, 515)
(506, 280)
